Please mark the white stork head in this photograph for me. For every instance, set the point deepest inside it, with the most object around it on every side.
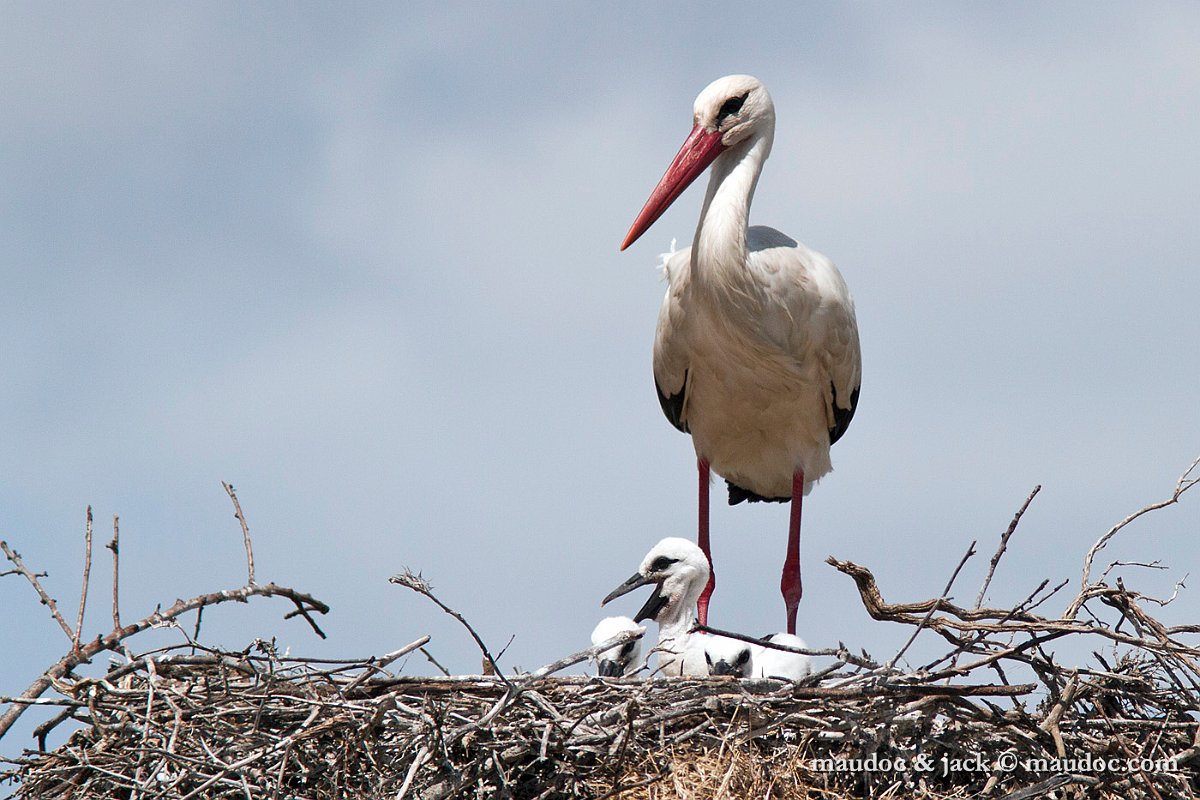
(622, 659)
(734, 106)
(730, 110)
(679, 570)
(724, 656)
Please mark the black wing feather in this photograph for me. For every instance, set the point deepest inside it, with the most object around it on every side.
(672, 405)
(739, 495)
(842, 416)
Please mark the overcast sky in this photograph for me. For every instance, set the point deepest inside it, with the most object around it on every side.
(361, 262)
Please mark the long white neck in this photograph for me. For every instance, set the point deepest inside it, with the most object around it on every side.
(674, 632)
(678, 624)
(720, 242)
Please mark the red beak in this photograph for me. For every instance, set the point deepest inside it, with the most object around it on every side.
(699, 150)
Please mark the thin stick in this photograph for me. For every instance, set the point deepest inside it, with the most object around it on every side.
(429, 656)
(741, 637)
(1185, 482)
(418, 762)
(384, 661)
(237, 512)
(944, 596)
(46, 599)
(591, 652)
(115, 547)
(87, 571)
(421, 586)
(1012, 526)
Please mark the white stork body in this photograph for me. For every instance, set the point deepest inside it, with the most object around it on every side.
(780, 664)
(757, 355)
(757, 352)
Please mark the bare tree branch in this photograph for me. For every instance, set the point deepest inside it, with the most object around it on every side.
(237, 512)
(32, 577)
(929, 614)
(84, 653)
(421, 586)
(1185, 482)
(87, 572)
(1012, 526)
(115, 547)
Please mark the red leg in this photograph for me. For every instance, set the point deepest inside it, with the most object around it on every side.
(702, 540)
(790, 583)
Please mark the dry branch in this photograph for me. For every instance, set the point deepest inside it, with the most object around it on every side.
(115, 547)
(1004, 537)
(1185, 482)
(241, 518)
(19, 568)
(87, 572)
(418, 584)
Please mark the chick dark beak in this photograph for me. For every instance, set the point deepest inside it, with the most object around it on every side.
(635, 581)
(610, 668)
(724, 668)
(653, 605)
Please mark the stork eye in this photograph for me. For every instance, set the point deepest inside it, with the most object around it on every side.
(661, 563)
(743, 657)
(731, 106)
(627, 648)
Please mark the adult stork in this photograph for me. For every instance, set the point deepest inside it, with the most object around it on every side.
(756, 353)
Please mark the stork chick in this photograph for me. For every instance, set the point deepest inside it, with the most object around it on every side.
(678, 570)
(623, 659)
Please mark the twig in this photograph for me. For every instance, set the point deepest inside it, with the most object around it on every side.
(421, 586)
(237, 512)
(115, 547)
(1184, 483)
(841, 653)
(384, 661)
(929, 614)
(1050, 723)
(429, 657)
(1012, 526)
(418, 762)
(87, 571)
(591, 652)
(45, 598)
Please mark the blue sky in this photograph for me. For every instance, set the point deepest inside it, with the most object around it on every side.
(361, 262)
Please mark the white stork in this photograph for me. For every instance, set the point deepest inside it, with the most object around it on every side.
(679, 572)
(622, 660)
(756, 353)
(767, 662)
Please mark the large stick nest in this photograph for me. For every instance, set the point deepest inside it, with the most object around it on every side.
(997, 716)
(256, 725)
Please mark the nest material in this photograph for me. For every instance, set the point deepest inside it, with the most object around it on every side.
(997, 716)
(255, 725)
